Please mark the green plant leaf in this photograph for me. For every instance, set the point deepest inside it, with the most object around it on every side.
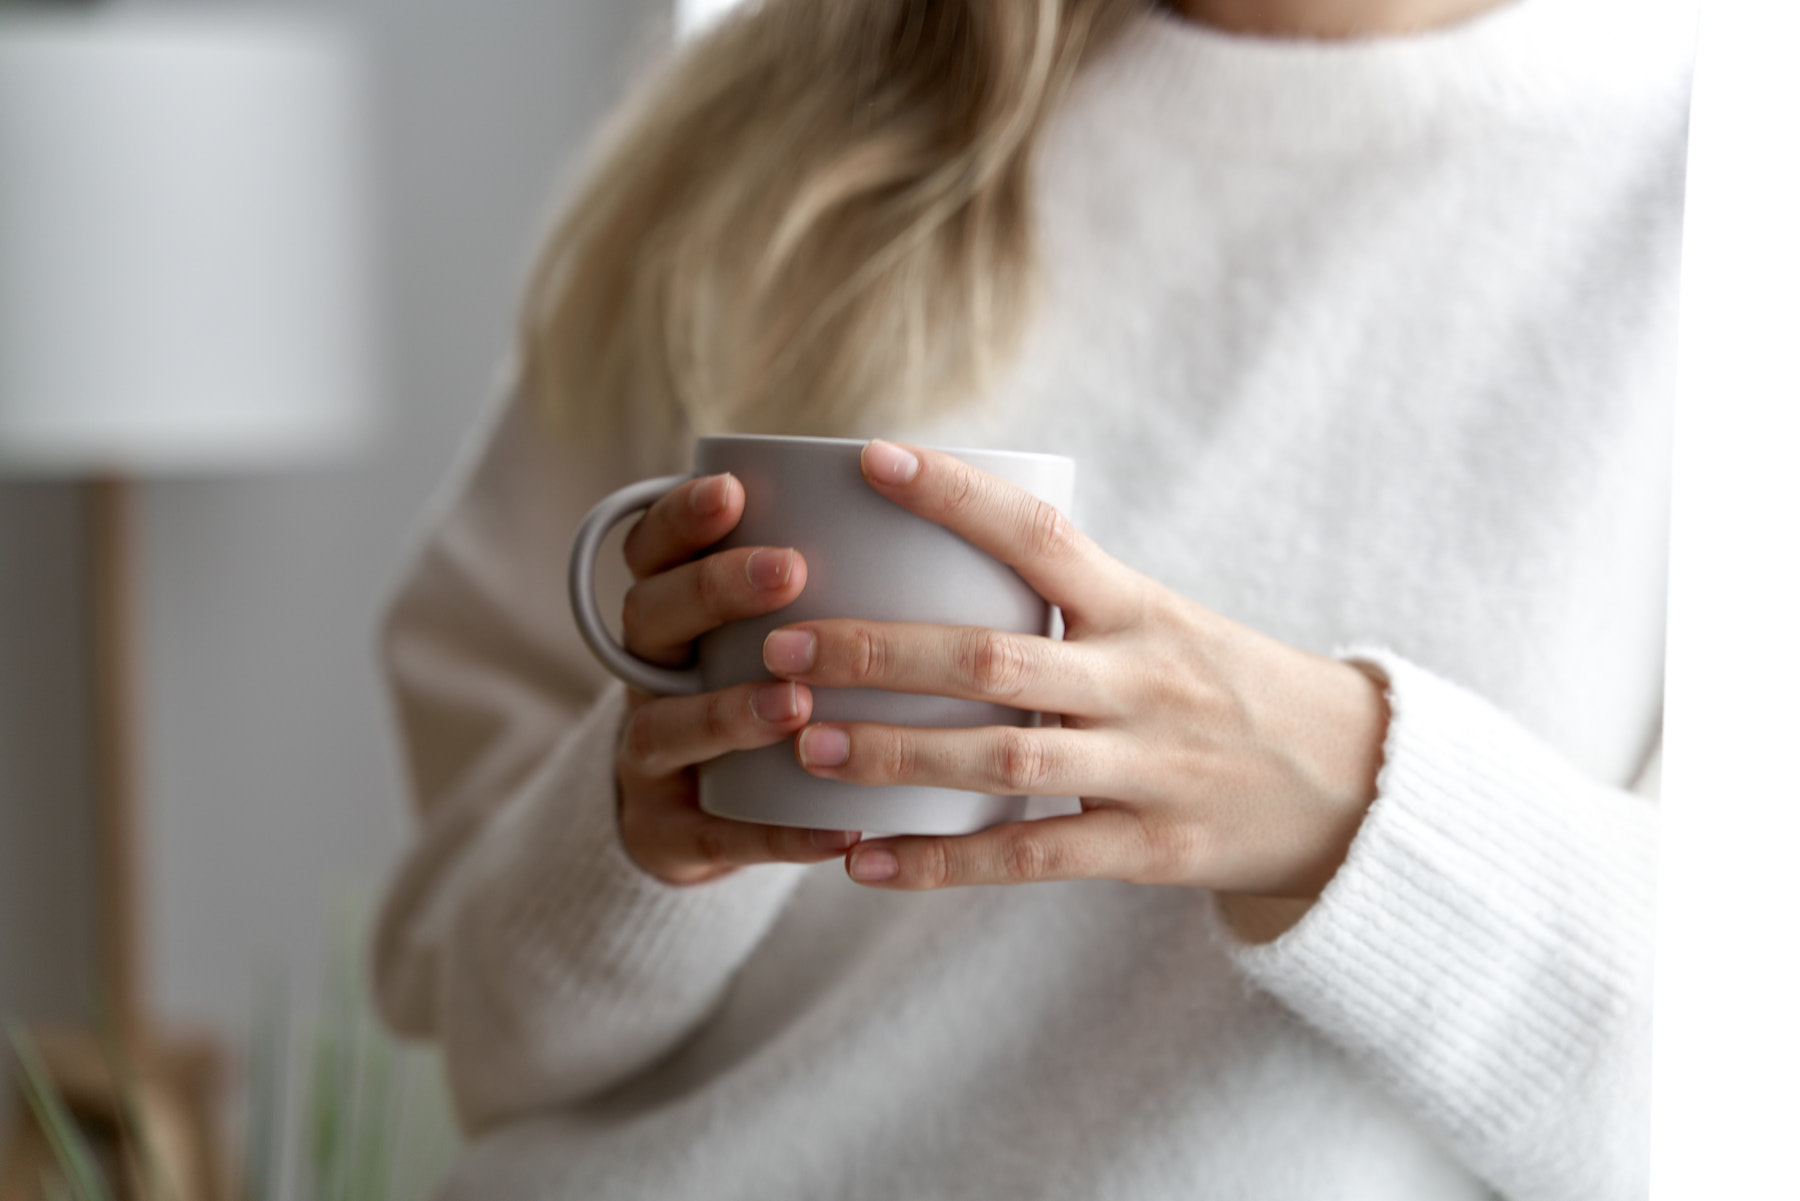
(73, 1154)
(130, 1091)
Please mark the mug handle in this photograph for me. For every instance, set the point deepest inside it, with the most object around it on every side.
(632, 498)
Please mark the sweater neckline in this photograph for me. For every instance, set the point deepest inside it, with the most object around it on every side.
(1524, 62)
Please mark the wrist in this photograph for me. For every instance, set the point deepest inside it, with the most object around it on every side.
(1325, 721)
(1337, 747)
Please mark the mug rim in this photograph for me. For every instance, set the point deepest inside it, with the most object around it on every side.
(813, 440)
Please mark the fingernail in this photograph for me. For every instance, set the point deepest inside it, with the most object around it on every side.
(835, 840)
(789, 652)
(888, 464)
(769, 568)
(824, 746)
(709, 497)
(873, 865)
(775, 702)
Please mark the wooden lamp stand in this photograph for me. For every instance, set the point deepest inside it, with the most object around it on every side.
(147, 1104)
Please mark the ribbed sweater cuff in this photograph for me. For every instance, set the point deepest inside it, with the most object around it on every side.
(1490, 924)
(579, 912)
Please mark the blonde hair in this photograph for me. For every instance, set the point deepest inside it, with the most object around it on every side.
(819, 215)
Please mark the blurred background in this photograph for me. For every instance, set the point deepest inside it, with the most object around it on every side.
(272, 792)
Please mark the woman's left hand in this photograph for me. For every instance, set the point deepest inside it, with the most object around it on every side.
(1204, 753)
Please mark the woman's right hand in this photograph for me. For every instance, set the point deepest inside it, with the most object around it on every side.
(679, 595)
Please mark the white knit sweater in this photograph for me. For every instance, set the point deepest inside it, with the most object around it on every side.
(1367, 346)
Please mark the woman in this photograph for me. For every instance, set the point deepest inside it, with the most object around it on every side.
(1359, 319)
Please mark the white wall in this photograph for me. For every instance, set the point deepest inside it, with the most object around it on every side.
(274, 785)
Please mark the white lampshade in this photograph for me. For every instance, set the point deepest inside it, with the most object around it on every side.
(184, 253)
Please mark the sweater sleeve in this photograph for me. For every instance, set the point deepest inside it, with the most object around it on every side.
(1486, 947)
(516, 931)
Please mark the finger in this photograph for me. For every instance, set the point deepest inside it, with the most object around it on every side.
(999, 760)
(1033, 537)
(970, 662)
(1103, 843)
(665, 735)
(683, 523)
(721, 842)
(667, 611)
(669, 836)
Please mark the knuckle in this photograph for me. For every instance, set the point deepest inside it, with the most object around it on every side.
(896, 757)
(712, 846)
(634, 551)
(868, 657)
(1161, 851)
(933, 867)
(1163, 684)
(782, 844)
(714, 585)
(718, 718)
(640, 743)
(962, 492)
(1174, 853)
(1021, 762)
(996, 664)
(1025, 856)
(631, 616)
(1048, 534)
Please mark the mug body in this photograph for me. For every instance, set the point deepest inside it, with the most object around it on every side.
(870, 559)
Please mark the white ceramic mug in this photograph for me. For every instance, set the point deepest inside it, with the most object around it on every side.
(866, 558)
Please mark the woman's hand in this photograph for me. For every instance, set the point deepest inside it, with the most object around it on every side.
(677, 598)
(1203, 752)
